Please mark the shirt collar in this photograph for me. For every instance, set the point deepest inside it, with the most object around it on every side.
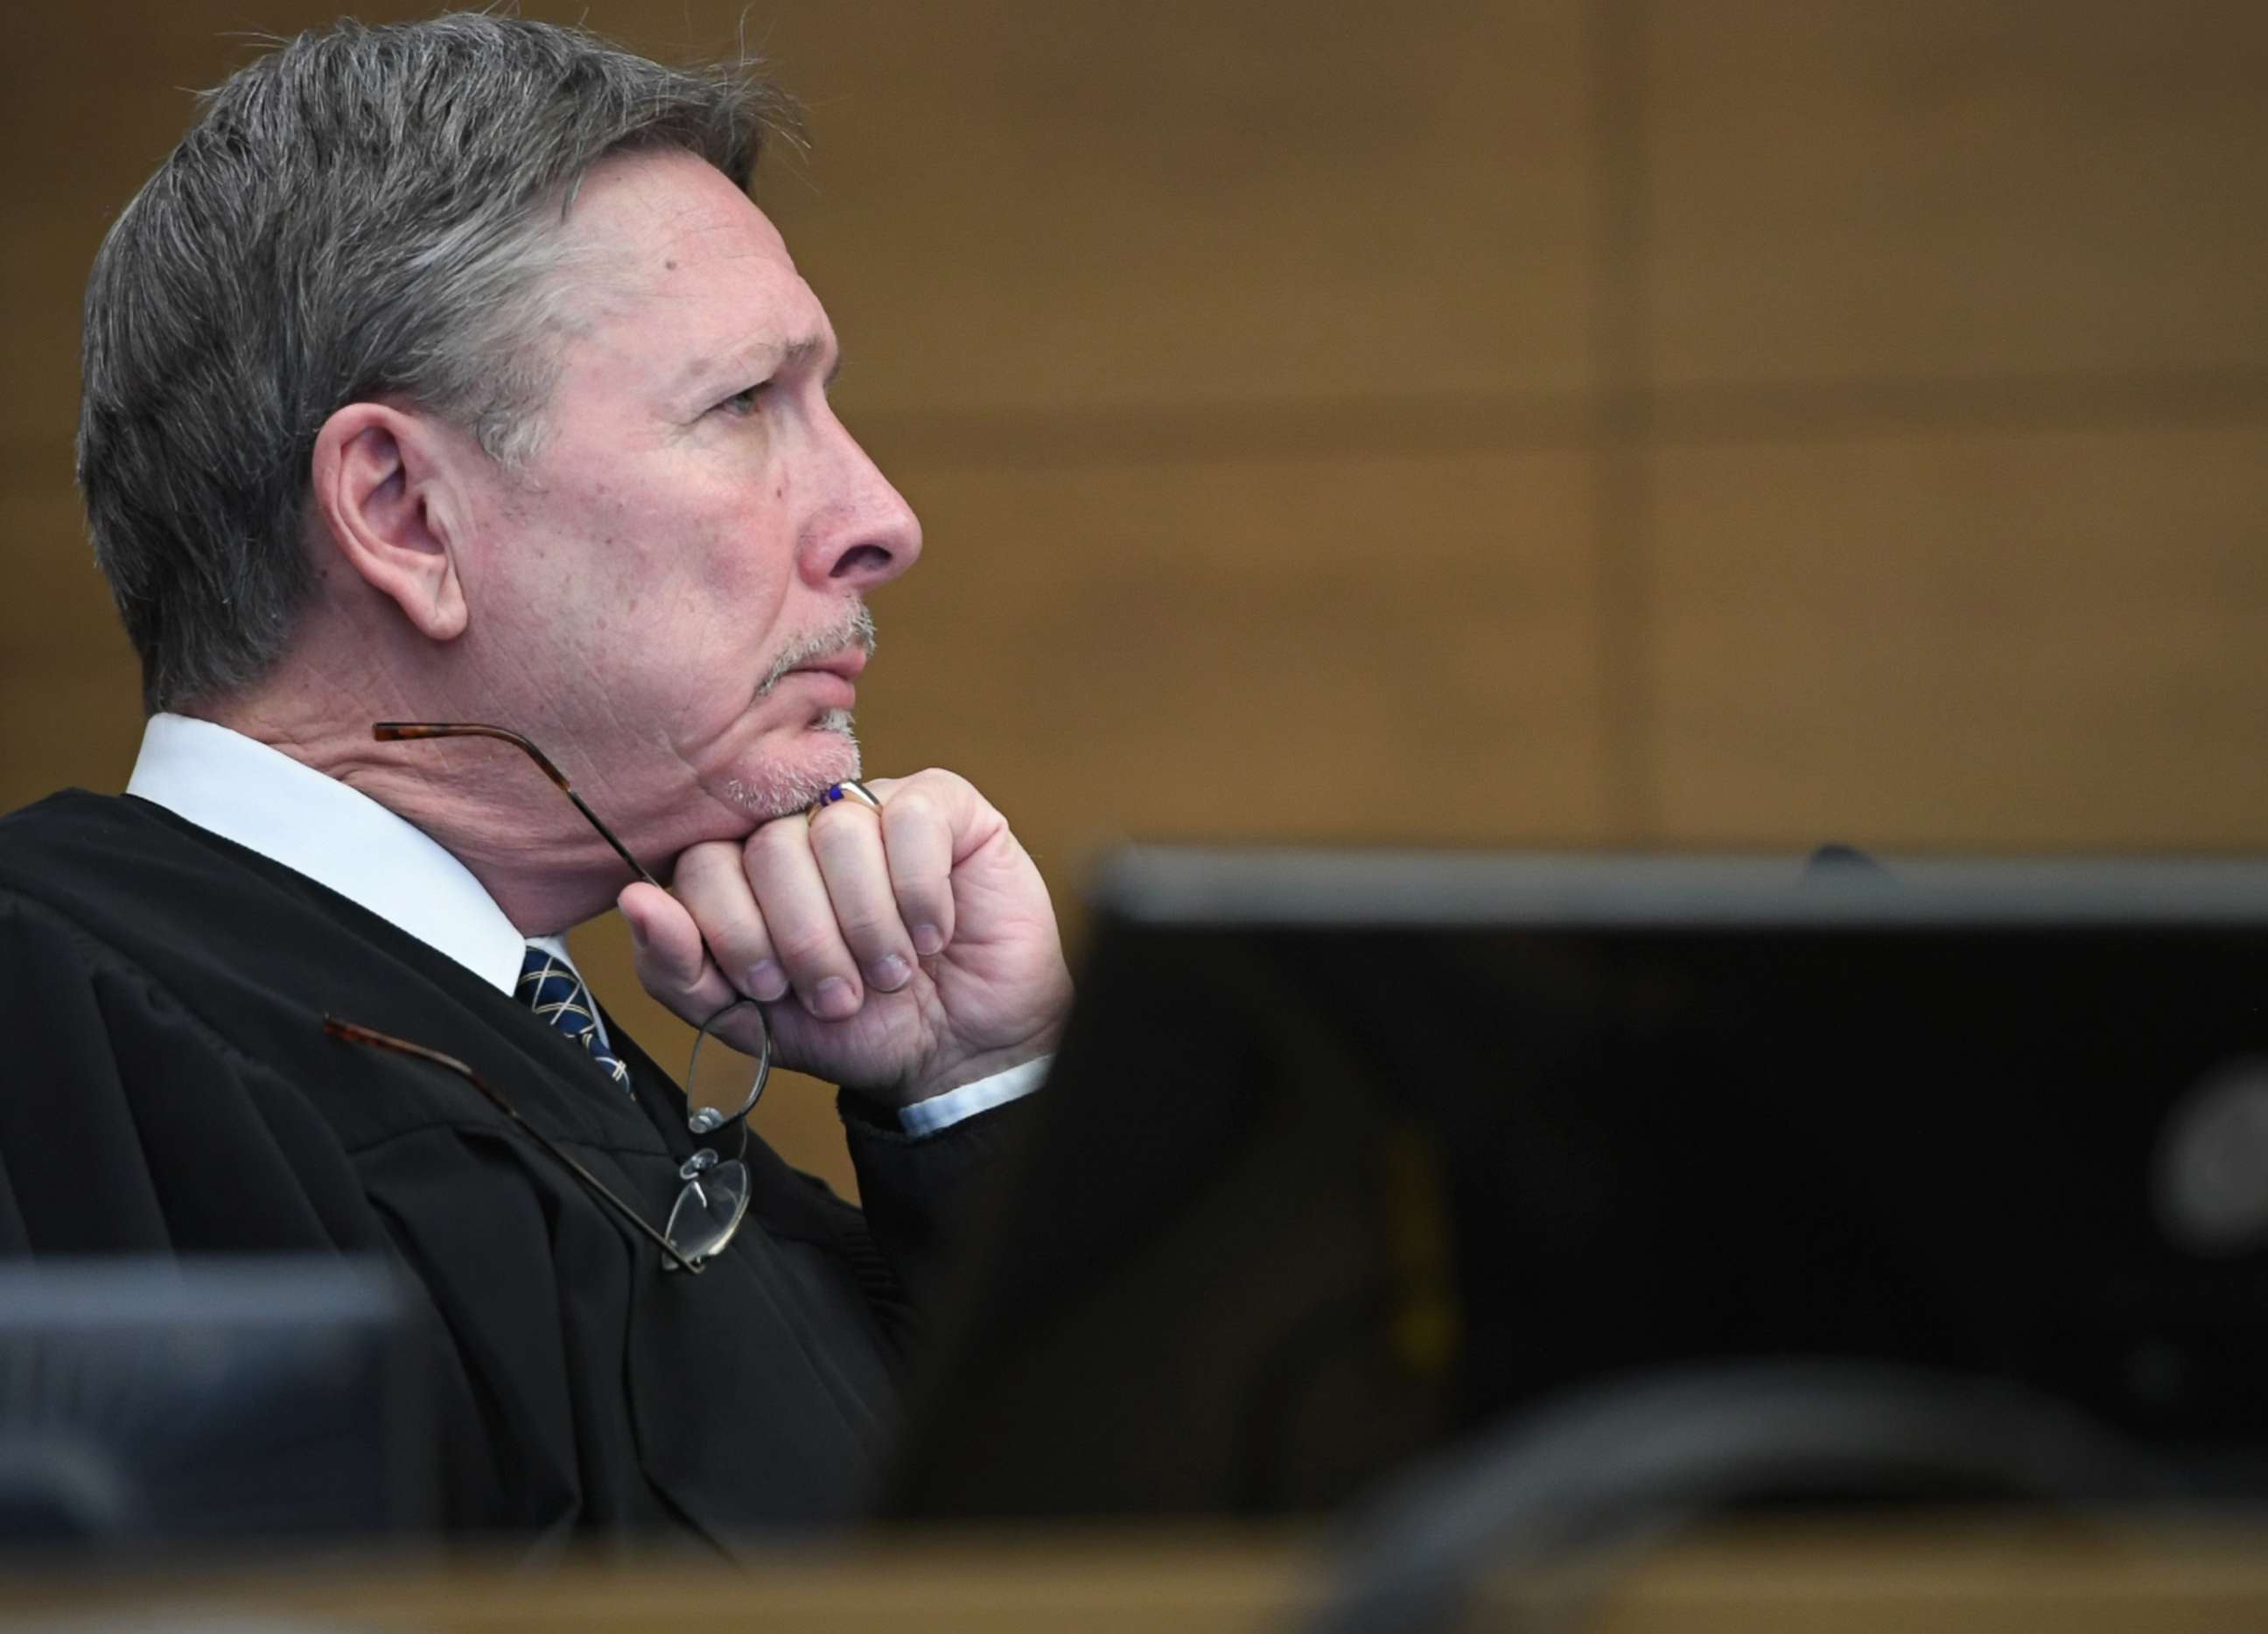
(242, 790)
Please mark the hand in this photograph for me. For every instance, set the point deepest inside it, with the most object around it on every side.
(901, 952)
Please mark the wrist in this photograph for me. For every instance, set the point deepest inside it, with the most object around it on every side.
(942, 1078)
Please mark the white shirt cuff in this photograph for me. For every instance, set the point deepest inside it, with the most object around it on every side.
(940, 1112)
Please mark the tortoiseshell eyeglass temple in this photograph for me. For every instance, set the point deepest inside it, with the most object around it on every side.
(674, 1256)
(409, 731)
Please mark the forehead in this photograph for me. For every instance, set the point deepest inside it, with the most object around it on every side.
(669, 260)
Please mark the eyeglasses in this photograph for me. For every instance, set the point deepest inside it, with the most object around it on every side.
(706, 1213)
(719, 1089)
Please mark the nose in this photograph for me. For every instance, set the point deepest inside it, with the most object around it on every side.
(869, 535)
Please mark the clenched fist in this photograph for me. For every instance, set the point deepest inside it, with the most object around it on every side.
(900, 952)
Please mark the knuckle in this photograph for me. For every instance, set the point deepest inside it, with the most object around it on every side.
(738, 945)
(776, 838)
(807, 949)
(913, 804)
(703, 870)
(868, 930)
(937, 782)
(841, 842)
(919, 878)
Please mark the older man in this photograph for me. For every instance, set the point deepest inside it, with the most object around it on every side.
(446, 374)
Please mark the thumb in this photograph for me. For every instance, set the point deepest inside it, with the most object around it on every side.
(672, 963)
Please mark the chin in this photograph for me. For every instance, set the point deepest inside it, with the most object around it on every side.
(792, 775)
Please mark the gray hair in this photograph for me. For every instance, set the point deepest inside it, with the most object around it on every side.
(360, 212)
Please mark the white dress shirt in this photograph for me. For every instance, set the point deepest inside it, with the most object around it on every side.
(241, 790)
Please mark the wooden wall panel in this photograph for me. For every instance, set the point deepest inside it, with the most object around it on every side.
(66, 729)
(42, 280)
(92, 98)
(1969, 640)
(1391, 647)
(1843, 189)
(1017, 203)
(55, 572)
(1681, 422)
(69, 689)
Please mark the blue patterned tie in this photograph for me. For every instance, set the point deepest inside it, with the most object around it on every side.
(549, 987)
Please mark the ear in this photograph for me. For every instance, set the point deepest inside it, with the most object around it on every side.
(385, 486)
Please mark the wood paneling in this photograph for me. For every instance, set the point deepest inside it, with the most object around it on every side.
(1962, 640)
(64, 729)
(69, 711)
(1015, 203)
(92, 98)
(1845, 1576)
(1332, 649)
(57, 617)
(42, 281)
(1942, 190)
(1678, 421)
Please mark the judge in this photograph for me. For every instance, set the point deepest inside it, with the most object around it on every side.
(445, 373)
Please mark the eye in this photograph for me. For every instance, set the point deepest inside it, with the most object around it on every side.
(745, 400)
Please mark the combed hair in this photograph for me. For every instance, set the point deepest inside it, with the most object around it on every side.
(361, 212)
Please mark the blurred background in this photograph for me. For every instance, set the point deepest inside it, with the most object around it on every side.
(1665, 424)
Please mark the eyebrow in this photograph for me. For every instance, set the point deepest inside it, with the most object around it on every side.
(800, 353)
(797, 354)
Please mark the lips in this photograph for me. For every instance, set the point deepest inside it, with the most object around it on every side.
(846, 665)
(828, 680)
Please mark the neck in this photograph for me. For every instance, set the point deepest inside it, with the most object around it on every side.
(484, 802)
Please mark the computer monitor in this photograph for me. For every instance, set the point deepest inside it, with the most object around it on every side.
(154, 1405)
(1346, 1155)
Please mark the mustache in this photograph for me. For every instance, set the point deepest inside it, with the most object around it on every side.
(854, 629)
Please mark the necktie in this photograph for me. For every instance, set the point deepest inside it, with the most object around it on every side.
(549, 987)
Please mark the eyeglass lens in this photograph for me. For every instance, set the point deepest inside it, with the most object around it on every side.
(709, 1210)
(721, 1084)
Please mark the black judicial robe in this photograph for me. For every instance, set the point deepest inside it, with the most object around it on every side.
(168, 1088)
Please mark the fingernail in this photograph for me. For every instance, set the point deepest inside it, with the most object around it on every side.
(765, 980)
(927, 939)
(889, 973)
(834, 999)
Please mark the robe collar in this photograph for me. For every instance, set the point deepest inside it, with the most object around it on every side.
(241, 790)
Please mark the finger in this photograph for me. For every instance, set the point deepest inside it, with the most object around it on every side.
(846, 840)
(671, 963)
(917, 837)
(799, 917)
(709, 882)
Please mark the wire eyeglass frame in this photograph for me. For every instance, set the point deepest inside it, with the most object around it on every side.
(716, 1192)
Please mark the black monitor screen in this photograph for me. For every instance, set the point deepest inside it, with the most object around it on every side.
(1349, 1155)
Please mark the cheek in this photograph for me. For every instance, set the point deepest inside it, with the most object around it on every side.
(601, 548)
(727, 611)
(550, 590)
(728, 549)
(712, 608)
(671, 580)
